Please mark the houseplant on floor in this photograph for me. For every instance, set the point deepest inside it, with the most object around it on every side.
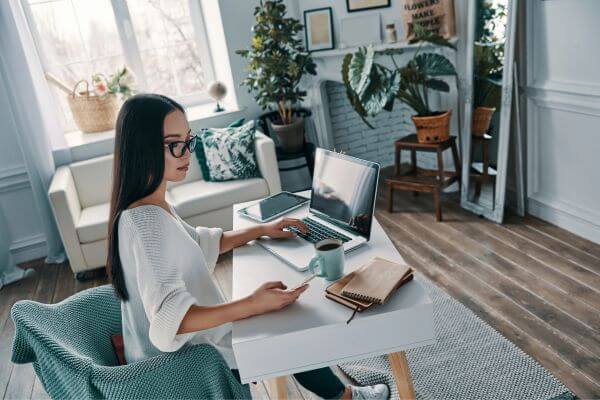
(277, 61)
(372, 87)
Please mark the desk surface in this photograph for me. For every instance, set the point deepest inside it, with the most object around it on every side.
(312, 332)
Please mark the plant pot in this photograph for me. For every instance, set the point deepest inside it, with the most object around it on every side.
(482, 117)
(290, 137)
(433, 129)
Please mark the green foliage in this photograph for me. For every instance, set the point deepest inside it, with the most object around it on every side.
(277, 59)
(489, 53)
(372, 88)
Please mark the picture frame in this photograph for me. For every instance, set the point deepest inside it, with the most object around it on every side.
(318, 29)
(364, 5)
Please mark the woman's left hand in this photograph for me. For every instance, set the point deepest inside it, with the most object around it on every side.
(275, 229)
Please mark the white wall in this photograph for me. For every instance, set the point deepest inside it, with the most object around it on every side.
(563, 113)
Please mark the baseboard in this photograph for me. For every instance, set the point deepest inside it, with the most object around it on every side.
(29, 248)
(565, 220)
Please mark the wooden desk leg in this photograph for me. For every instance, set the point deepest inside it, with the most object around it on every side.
(390, 197)
(277, 387)
(401, 372)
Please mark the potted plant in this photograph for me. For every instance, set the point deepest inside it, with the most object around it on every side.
(277, 62)
(371, 87)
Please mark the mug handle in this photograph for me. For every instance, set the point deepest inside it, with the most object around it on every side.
(311, 265)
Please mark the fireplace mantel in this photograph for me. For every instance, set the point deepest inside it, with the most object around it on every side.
(329, 67)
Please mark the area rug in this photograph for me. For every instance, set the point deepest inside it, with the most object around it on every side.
(470, 360)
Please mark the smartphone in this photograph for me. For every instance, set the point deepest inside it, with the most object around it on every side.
(310, 278)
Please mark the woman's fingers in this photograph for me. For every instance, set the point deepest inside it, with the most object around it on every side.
(295, 223)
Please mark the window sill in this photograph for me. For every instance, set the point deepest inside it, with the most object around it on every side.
(83, 146)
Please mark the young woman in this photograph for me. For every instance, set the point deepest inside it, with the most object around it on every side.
(160, 266)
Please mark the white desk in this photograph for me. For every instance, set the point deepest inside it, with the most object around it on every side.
(312, 332)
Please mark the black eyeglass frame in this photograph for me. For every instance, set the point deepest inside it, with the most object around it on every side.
(187, 145)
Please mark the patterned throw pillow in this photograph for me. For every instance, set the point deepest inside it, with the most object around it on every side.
(227, 153)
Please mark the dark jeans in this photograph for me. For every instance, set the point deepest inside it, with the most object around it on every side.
(322, 382)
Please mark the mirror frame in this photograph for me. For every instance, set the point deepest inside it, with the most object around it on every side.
(497, 213)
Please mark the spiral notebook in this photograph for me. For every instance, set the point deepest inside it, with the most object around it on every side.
(376, 281)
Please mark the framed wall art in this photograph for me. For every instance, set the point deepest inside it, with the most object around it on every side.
(362, 5)
(318, 27)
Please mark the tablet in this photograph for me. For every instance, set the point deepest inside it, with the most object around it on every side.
(273, 206)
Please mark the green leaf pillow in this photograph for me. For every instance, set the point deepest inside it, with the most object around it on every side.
(228, 153)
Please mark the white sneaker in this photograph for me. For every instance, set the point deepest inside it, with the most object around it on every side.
(374, 392)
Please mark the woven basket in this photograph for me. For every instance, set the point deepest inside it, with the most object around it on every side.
(434, 129)
(482, 117)
(93, 113)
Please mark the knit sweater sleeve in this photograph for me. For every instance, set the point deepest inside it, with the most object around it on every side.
(162, 288)
(209, 240)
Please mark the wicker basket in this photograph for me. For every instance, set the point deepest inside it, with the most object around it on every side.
(482, 117)
(434, 129)
(93, 113)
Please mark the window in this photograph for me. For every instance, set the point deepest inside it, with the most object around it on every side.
(163, 42)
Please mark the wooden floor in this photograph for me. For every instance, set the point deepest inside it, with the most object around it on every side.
(535, 283)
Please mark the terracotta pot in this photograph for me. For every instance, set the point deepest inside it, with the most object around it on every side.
(433, 129)
(482, 117)
(290, 137)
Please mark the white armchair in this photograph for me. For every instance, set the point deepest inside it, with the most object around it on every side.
(80, 198)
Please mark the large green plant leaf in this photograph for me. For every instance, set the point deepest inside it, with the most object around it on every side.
(424, 35)
(360, 69)
(437, 84)
(432, 64)
(352, 96)
(382, 89)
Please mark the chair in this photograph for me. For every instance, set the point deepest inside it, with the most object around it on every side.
(70, 347)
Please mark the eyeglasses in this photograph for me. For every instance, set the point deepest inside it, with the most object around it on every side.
(178, 148)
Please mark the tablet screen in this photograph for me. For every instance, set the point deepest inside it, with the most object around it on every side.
(273, 205)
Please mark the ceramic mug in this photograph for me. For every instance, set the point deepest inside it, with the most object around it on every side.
(330, 259)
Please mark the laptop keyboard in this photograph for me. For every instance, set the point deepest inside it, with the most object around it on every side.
(318, 232)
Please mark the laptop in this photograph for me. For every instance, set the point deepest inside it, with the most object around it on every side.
(341, 206)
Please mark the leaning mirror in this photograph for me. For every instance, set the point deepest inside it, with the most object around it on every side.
(487, 94)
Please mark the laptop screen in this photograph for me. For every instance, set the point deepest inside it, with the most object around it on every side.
(343, 190)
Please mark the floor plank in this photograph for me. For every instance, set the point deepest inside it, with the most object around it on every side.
(537, 284)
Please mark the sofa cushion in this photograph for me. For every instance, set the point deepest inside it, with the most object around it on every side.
(93, 223)
(228, 153)
(201, 196)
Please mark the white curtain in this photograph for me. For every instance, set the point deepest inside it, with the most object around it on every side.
(34, 115)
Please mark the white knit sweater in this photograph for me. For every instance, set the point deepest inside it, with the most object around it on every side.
(167, 266)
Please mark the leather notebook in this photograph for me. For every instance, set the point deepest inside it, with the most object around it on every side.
(335, 290)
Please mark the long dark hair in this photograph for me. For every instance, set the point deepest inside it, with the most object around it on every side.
(138, 167)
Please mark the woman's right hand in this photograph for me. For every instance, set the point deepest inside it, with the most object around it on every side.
(271, 296)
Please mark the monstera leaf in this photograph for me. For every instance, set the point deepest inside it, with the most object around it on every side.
(431, 64)
(360, 69)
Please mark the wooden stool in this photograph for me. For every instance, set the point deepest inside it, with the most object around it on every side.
(423, 180)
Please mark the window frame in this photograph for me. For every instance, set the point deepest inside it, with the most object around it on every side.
(131, 50)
